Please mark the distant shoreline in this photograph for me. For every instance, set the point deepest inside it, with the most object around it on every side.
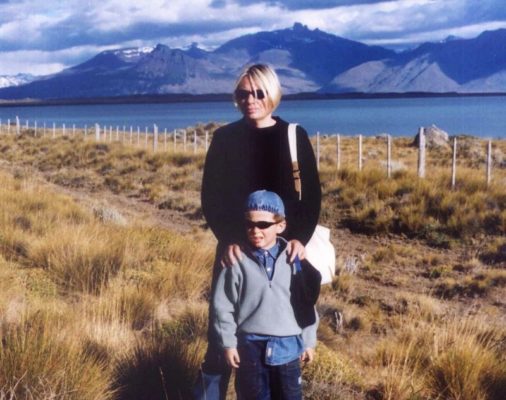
(183, 98)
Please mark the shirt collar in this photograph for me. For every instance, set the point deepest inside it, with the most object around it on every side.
(273, 251)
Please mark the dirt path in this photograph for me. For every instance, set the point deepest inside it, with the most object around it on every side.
(131, 208)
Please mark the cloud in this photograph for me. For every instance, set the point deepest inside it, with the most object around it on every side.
(302, 4)
(70, 30)
(463, 32)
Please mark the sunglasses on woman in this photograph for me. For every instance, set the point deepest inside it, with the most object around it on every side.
(243, 94)
(258, 224)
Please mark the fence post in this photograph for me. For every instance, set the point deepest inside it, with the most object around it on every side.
(86, 130)
(64, 129)
(97, 133)
(8, 126)
(131, 133)
(338, 151)
(184, 140)
(207, 140)
(421, 153)
(360, 152)
(194, 142)
(18, 126)
(155, 138)
(146, 137)
(35, 128)
(318, 150)
(389, 156)
(454, 162)
(489, 162)
(54, 130)
(44, 130)
(27, 125)
(174, 140)
(117, 133)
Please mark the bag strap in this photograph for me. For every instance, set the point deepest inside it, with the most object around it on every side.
(292, 143)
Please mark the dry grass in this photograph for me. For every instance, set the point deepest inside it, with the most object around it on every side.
(94, 308)
(81, 299)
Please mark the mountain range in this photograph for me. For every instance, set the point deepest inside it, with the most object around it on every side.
(307, 61)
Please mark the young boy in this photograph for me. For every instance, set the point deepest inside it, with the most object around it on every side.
(253, 308)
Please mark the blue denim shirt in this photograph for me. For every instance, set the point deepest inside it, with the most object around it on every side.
(266, 258)
(278, 350)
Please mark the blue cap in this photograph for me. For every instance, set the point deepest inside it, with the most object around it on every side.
(263, 200)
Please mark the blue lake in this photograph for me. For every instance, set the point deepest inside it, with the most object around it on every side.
(475, 115)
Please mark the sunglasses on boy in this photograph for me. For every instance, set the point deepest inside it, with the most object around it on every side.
(258, 224)
(243, 94)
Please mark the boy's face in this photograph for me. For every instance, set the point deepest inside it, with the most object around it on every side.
(263, 236)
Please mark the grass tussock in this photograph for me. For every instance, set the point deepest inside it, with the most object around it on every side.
(37, 363)
(418, 208)
(83, 258)
(167, 364)
(453, 359)
(330, 376)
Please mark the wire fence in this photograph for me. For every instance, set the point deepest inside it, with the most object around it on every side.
(193, 140)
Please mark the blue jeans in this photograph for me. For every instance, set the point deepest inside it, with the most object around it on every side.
(214, 375)
(259, 381)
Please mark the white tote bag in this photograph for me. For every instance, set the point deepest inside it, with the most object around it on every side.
(320, 251)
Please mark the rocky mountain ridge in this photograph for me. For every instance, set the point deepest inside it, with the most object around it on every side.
(308, 61)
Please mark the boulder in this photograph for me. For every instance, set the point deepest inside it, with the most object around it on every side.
(434, 137)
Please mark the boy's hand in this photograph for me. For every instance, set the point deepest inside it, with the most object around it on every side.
(231, 255)
(295, 248)
(232, 357)
(307, 356)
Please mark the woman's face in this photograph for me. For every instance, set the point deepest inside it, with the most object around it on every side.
(256, 111)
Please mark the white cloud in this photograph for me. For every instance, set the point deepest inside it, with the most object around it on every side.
(79, 29)
(464, 32)
(38, 62)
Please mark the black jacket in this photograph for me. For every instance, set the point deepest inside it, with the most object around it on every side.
(242, 159)
(304, 291)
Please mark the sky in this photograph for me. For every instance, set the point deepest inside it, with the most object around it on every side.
(44, 37)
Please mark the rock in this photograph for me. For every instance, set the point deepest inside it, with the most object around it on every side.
(434, 137)
(351, 265)
(498, 157)
(374, 153)
(396, 165)
(109, 215)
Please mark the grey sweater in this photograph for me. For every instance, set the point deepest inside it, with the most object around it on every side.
(245, 301)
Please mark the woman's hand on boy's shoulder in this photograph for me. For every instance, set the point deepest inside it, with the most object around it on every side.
(307, 356)
(231, 255)
(295, 249)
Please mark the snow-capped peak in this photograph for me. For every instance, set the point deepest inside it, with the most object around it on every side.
(133, 53)
(15, 80)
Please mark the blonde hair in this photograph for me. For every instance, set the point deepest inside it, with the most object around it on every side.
(263, 77)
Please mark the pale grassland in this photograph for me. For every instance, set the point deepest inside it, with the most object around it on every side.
(97, 310)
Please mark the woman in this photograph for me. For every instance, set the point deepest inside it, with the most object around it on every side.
(248, 155)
